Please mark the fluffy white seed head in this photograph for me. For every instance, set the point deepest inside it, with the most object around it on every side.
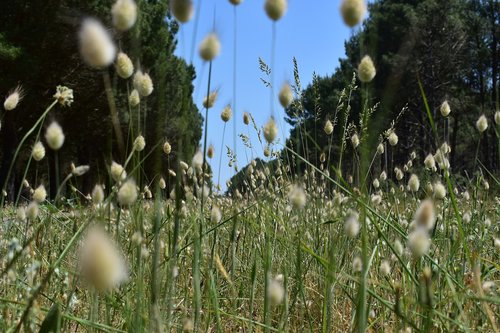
(54, 136)
(134, 99)
(425, 216)
(40, 194)
(380, 149)
(182, 9)
(210, 151)
(366, 69)
(430, 162)
(351, 225)
(414, 183)
(328, 127)
(101, 263)
(21, 213)
(226, 114)
(419, 242)
(167, 148)
(286, 95)
(275, 291)
(353, 11)
(97, 194)
(393, 138)
(297, 197)
(355, 141)
(32, 210)
(208, 102)
(13, 99)
(376, 199)
(96, 47)
(497, 117)
(385, 268)
(210, 47)
(439, 191)
(143, 83)
(215, 215)
(482, 124)
(117, 172)
(64, 95)
(124, 14)
(357, 264)
(275, 9)
(38, 151)
(270, 130)
(445, 109)
(399, 174)
(124, 66)
(127, 194)
(139, 143)
(197, 161)
(79, 170)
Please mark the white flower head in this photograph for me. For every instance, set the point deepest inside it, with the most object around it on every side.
(124, 14)
(54, 136)
(96, 46)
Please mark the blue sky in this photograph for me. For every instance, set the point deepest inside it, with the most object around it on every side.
(311, 31)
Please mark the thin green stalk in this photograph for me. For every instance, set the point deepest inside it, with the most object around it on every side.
(38, 122)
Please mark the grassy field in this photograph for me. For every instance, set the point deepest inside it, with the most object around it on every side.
(412, 249)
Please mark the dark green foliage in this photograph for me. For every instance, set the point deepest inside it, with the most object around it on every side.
(39, 50)
(451, 45)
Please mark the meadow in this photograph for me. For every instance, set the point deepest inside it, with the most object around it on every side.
(359, 245)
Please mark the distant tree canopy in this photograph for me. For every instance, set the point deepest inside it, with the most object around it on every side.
(39, 50)
(451, 46)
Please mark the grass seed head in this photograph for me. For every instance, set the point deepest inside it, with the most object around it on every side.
(13, 99)
(353, 11)
(96, 47)
(439, 191)
(366, 69)
(393, 138)
(328, 127)
(270, 130)
(32, 210)
(127, 194)
(167, 148)
(425, 216)
(101, 263)
(124, 13)
(482, 124)
(139, 143)
(40, 194)
(210, 47)
(182, 9)
(445, 109)
(275, 9)
(124, 66)
(117, 172)
(143, 83)
(419, 242)
(414, 183)
(286, 95)
(226, 114)
(54, 136)
(275, 291)
(134, 99)
(38, 151)
(98, 194)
